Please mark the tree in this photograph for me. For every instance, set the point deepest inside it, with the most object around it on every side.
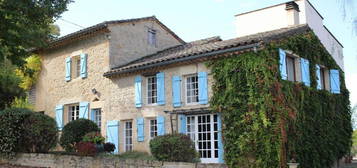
(26, 25)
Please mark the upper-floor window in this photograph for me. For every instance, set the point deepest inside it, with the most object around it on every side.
(73, 112)
(153, 128)
(76, 67)
(151, 90)
(192, 89)
(290, 68)
(152, 37)
(322, 78)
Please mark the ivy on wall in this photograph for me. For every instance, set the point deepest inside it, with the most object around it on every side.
(268, 121)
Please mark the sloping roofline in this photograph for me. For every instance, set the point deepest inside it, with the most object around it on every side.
(103, 27)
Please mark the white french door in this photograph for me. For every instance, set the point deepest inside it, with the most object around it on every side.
(203, 130)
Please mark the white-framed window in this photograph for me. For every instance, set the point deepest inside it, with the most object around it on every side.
(98, 117)
(151, 90)
(128, 136)
(153, 128)
(192, 89)
(290, 68)
(152, 37)
(73, 112)
(322, 78)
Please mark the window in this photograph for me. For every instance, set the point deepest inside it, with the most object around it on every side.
(76, 66)
(192, 89)
(322, 78)
(73, 112)
(128, 135)
(98, 117)
(153, 128)
(152, 90)
(152, 37)
(290, 67)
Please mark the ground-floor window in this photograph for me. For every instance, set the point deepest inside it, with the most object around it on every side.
(73, 112)
(153, 128)
(97, 117)
(203, 130)
(128, 136)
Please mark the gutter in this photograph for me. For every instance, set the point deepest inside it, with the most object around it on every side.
(187, 58)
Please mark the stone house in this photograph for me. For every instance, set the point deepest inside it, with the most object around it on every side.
(137, 79)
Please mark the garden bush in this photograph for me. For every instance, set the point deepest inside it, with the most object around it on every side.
(94, 137)
(74, 131)
(11, 129)
(109, 147)
(174, 148)
(39, 133)
(85, 149)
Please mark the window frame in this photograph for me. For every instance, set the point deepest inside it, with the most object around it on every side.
(98, 117)
(150, 95)
(186, 90)
(151, 131)
(72, 117)
(294, 68)
(152, 38)
(128, 146)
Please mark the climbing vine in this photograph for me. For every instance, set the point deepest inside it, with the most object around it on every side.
(268, 121)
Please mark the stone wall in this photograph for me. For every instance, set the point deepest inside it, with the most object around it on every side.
(69, 161)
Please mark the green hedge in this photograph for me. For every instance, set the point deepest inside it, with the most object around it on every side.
(268, 121)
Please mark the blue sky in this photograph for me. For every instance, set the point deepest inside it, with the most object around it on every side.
(197, 19)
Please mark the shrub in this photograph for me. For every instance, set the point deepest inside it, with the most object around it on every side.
(174, 148)
(109, 147)
(85, 149)
(74, 131)
(94, 137)
(39, 133)
(11, 129)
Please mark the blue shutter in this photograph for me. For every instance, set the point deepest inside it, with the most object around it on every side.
(176, 91)
(282, 64)
(318, 76)
(140, 129)
(335, 81)
(138, 102)
(202, 88)
(92, 115)
(59, 116)
(83, 110)
(68, 69)
(160, 125)
(84, 65)
(113, 134)
(220, 142)
(305, 71)
(160, 77)
(183, 123)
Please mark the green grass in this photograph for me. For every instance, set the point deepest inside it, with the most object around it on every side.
(130, 155)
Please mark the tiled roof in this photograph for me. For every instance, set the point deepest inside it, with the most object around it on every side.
(205, 48)
(102, 26)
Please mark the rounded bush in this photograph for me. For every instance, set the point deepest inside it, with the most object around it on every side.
(74, 131)
(173, 148)
(40, 133)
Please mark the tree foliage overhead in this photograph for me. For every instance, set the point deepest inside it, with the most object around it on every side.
(26, 24)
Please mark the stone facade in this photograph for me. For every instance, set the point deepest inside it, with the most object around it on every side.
(69, 161)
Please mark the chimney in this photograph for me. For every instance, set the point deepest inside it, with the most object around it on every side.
(292, 10)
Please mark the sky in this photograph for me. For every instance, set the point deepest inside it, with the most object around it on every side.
(198, 19)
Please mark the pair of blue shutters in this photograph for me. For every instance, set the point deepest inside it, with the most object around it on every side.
(83, 70)
(160, 81)
(176, 89)
(202, 89)
(83, 113)
(305, 73)
(141, 128)
(183, 130)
